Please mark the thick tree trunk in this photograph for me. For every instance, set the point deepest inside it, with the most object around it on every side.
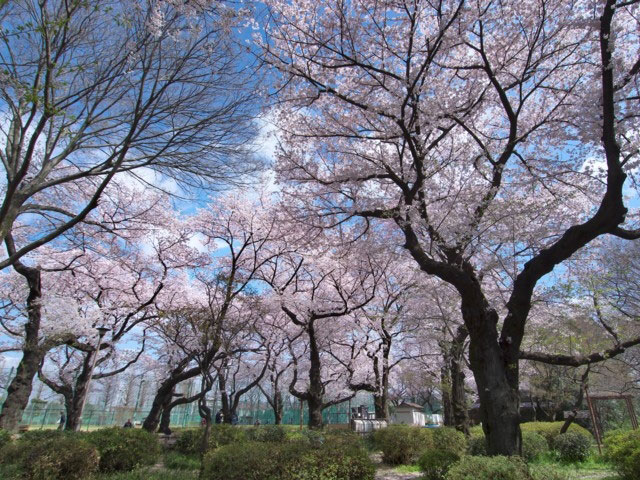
(74, 415)
(165, 418)
(381, 405)
(164, 395)
(19, 389)
(496, 379)
(315, 413)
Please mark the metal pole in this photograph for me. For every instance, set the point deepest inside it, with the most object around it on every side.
(101, 332)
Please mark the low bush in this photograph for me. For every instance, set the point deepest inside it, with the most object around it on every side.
(550, 430)
(548, 472)
(533, 445)
(402, 444)
(623, 452)
(224, 434)
(124, 449)
(14, 453)
(63, 458)
(178, 461)
(449, 440)
(572, 447)
(287, 461)
(489, 468)
(436, 463)
(5, 437)
(267, 433)
(477, 445)
(188, 442)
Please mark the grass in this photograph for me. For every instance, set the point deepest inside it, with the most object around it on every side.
(407, 469)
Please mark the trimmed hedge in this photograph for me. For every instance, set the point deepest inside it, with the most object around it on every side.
(287, 461)
(188, 442)
(489, 468)
(550, 430)
(65, 458)
(267, 433)
(52, 456)
(224, 434)
(623, 451)
(436, 463)
(572, 447)
(533, 445)
(124, 449)
(401, 444)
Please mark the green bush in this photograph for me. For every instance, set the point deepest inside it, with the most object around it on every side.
(124, 449)
(178, 461)
(267, 433)
(533, 445)
(402, 444)
(64, 458)
(14, 453)
(287, 461)
(477, 446)
(489, 468)
(449, 440)
(224, 434)
(189, 441)
(572, 447)
(436, 463)
(550, 430)
(5, 437)
(623, 451)
(548, 472)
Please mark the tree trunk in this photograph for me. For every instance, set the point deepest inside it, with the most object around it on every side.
(445, 386)
(315, 413)
(496, 379)
(315, 392)
(381, 405)
(458, 394)
(74, 415)
(278, 407)
(164, 395)
(165, 418)
(19, 389)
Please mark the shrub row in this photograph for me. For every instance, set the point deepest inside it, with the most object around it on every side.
(623, 451)
(500, 468)
(288, 461)
(51, 454)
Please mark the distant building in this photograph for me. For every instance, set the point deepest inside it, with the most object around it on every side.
(408, 413)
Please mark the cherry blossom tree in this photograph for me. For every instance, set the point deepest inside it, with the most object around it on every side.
(88, 92)
(476, 132)
(319, 291)
(204, 319)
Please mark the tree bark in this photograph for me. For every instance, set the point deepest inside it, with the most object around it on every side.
(19, 389)
(316, 390)
(164, 396)
(496, 379)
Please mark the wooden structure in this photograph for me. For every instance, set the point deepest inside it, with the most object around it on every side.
(595, 417)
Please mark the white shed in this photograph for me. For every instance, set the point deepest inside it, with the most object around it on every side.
(408, 413)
